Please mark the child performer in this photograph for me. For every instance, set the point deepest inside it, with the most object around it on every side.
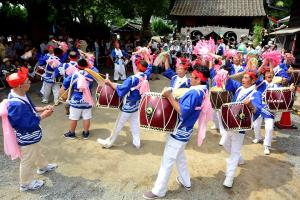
(81, 101)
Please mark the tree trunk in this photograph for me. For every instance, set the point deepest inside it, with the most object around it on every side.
(38, 19)
(146, 28)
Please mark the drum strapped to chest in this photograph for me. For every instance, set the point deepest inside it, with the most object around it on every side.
(218, 97)
(279, 99)
(39, 70)
(236, 116)
(157, 113)
(107, 97)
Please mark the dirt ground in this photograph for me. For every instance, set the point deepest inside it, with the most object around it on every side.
(87, 171)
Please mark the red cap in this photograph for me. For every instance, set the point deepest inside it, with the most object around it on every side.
(16, 79)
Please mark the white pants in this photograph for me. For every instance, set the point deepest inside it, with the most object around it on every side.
(174, 152)
(218, 122)
(134, 126)
(269, 126)
(233, 145)
(48, 87)
(119, 72)
(215, 118)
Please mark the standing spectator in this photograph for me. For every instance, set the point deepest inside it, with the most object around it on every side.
(19, 46)
(43, 47)
(10, 51)
(2, 48)
(97, 51)
(7, 67)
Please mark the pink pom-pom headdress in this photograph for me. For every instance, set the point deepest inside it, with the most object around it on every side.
(230, 53)
(205, 48)
(273, 56)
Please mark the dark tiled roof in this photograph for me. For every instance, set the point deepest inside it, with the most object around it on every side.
(218, 8)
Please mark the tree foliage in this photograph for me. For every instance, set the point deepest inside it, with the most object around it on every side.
(257, 34)
(160, 27)
(279, 14)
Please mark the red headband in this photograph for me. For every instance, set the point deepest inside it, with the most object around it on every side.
(252, 75)
(199, 75)
(183, 62)
(16, 79)
(140, 67)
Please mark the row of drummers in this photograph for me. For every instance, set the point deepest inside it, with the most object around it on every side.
(53, 67)
(237, 106)
(155, 111)
(240, 102)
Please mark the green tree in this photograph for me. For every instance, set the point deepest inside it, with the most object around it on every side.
(144, 9)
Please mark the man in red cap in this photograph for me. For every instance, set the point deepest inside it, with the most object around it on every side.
(25, 119)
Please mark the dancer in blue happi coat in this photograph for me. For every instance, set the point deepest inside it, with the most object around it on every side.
(246, 93)
(79, 85)
(130, 91)
(189, 108)
(178, 78)
(24, 119)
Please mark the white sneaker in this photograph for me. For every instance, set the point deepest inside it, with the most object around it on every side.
(222, 141)
(179, 181)
(105, 143)
(44, 101)
(241, 161)
(56, 103)
(256, 141)
(214, 127)
(228, 182)
(34, 185)
(267, 150)
(49, 168)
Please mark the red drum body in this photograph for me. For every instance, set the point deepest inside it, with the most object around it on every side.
(236, 116)
(218, 98)
(107, 97)
(39, 70)
(157, 113)
(280, 99)
(295, 77)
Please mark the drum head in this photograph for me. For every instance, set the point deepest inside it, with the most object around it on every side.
(107, 97)
(236, 117)
(280, 99)
(157, 113)
(218, 98)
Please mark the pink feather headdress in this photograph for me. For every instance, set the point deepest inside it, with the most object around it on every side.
(205, 48)
(230, 53)
(273, 56)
